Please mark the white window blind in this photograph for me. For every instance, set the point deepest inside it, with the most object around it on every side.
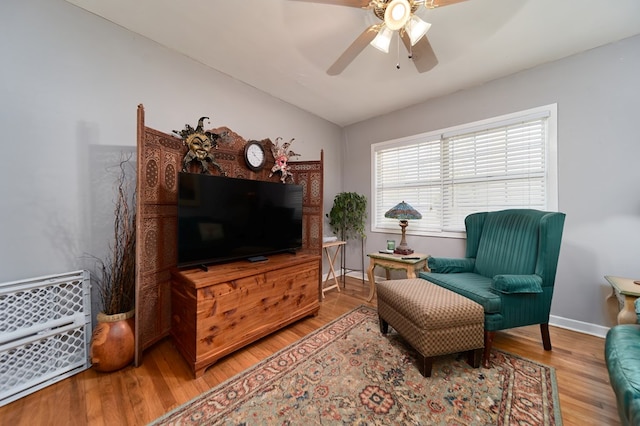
(493, 165)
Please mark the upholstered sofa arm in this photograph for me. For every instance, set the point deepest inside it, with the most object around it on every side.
(517, 283)
(446, 265)
(622, 355)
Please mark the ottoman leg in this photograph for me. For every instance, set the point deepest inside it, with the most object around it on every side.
(384, 326)
(473, 357)
(424, 365)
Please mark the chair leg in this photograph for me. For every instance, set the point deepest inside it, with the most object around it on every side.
(546, 339)
(488, 341)
(384, 326)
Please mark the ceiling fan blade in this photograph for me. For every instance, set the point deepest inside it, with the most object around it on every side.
(353, 50)
(350, 3)
(422, 54)
(432, 4)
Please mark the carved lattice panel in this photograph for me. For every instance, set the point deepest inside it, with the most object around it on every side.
(159, 159)
(309, 174)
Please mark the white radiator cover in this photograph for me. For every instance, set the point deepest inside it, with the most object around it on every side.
(45, 332)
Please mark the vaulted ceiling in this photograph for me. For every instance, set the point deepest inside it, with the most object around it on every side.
(284, 47)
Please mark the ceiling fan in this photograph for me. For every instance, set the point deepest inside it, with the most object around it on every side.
(396, 16)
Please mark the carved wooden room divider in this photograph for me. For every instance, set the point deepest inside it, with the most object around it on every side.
(159, 161)
(309, 174)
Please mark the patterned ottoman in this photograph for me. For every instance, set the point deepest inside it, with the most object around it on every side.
(433, 320)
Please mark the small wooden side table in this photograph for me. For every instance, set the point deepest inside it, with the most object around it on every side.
(332, 260)
(629, 292)
(409, 263)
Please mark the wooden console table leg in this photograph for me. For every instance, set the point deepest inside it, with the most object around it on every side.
(372, 281)
(628, 313)
(411, 272)
(613, 306)
(411, 269)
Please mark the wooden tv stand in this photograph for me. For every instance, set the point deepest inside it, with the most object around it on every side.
(218, 311)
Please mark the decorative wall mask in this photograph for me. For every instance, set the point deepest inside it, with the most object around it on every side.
(282, 154)
(199, 144)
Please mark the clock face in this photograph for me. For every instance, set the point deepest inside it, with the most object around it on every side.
(254, 155)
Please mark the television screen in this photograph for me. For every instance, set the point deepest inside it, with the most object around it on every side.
(222, 219)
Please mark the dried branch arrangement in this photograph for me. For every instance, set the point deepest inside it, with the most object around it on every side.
(116, 273)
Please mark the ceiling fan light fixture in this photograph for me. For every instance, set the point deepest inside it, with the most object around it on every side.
(397, 14)
(416, 29)
(383, 40)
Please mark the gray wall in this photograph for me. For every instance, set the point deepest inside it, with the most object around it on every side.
(70, 83)
(598, 97)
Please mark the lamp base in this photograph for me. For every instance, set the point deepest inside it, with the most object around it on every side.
(403, 250)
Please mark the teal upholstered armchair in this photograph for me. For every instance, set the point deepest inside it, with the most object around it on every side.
(509, 268)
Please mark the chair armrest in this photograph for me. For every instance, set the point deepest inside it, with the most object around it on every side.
(517, 284)
(446, 265)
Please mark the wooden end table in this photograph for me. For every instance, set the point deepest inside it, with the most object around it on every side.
(409, 263)
(629, 292)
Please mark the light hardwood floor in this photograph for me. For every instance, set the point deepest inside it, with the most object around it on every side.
(136, 396)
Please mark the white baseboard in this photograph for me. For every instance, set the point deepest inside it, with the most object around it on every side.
(556, 321)
(579, 326)
(357, 274)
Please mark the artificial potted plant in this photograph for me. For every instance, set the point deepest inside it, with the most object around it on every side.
(112, 341)
(347, 218)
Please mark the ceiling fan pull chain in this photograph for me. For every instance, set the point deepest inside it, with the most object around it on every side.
(410, 44)
(398, 62)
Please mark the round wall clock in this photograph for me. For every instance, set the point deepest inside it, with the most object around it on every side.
(254, 155)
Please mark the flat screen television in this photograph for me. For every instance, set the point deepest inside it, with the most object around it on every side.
(221, 219)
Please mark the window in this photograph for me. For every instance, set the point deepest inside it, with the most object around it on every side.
(495, 164)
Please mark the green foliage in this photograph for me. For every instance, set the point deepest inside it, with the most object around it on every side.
(348, 214)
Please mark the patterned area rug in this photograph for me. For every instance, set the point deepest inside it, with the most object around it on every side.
(348, 373)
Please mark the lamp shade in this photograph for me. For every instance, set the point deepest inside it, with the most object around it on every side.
(383, 39)
(403, 211)
(417, 28)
